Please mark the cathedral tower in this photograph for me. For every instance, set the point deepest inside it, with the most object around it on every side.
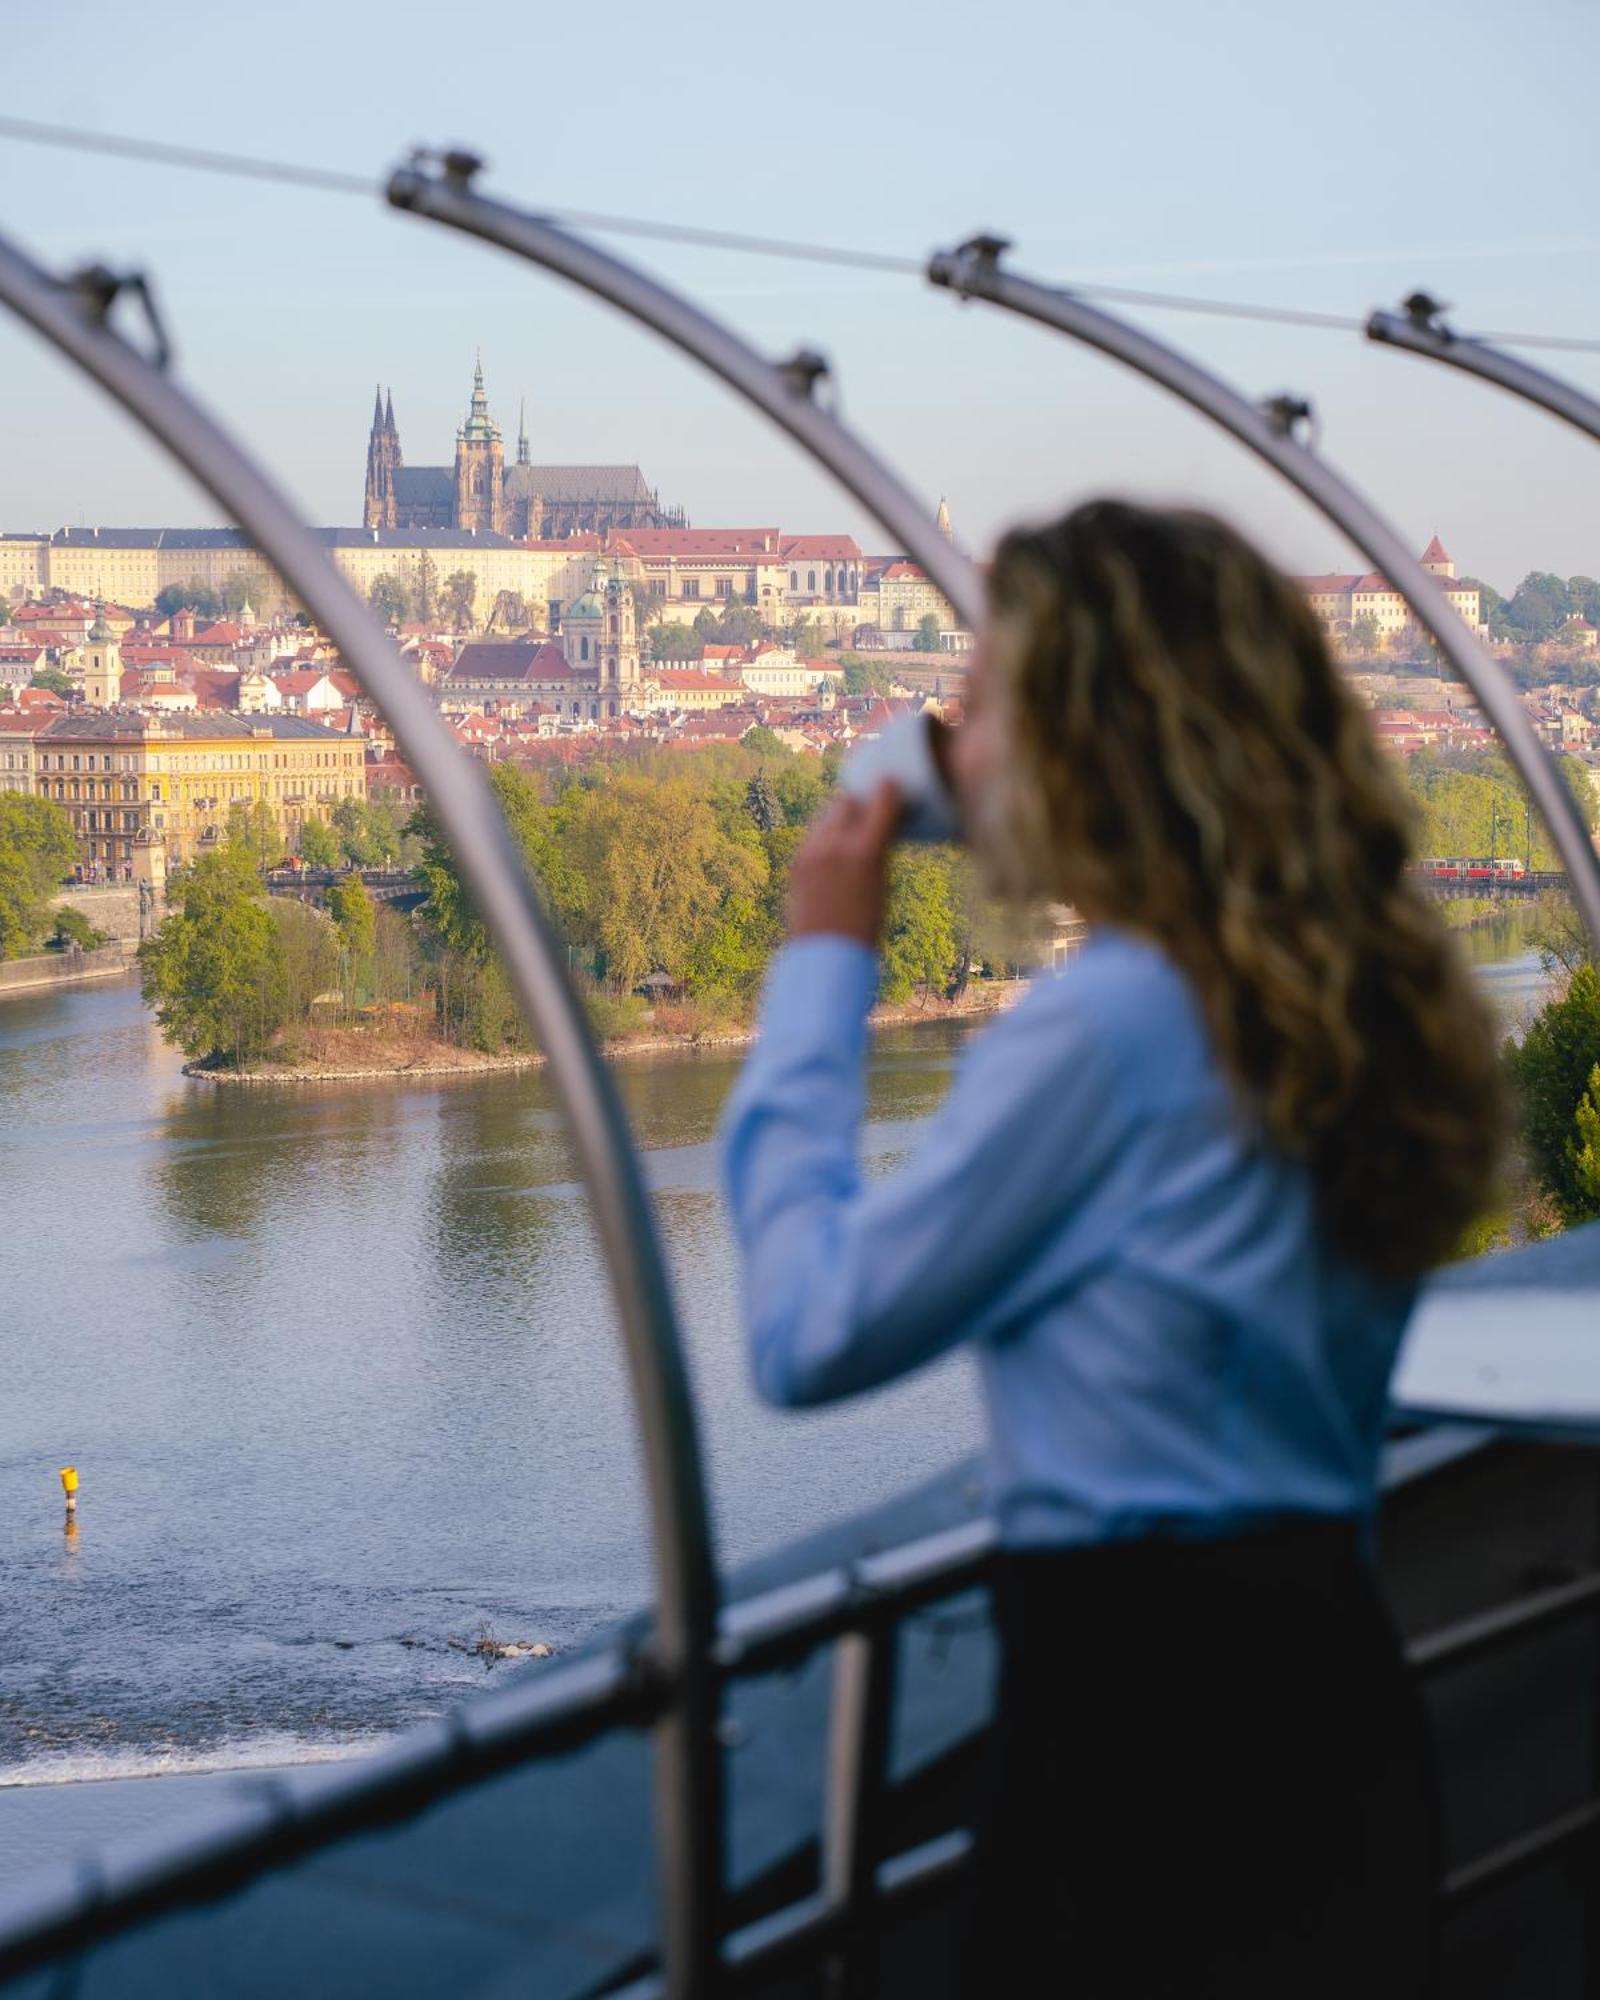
(480, 467)
(379, 509)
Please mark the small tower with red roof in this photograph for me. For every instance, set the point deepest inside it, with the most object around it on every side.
(1436, 561)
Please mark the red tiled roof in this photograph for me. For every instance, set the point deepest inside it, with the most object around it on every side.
(685, 679)
(707, 544)
(1435, 552)
(821, 548)
(510, 660)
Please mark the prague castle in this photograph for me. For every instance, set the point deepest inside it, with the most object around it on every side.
(481, 494)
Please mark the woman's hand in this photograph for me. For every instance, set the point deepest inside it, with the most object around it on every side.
(838, 883)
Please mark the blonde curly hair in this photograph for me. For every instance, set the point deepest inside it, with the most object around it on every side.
(1190, 765)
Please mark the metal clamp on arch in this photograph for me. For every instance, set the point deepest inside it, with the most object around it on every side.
(783, 391)
(1419, 328)
(73, 316)
(973, 271)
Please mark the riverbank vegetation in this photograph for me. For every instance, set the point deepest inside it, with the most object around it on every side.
(37, 850)
(664, 873)
(1470, 802)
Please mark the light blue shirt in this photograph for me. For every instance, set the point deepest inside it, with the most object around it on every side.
(1165, 1344)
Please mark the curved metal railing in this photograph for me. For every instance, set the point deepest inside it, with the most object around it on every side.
(783, 391)
(676, 1688)
(73, 316)
(1419, 328)
(974, 271)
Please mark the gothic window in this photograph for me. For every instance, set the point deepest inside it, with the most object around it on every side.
(583, 649)
(811, 580)
(794, 579)
(827, 581)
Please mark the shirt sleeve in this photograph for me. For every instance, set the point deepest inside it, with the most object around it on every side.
(849, 1284)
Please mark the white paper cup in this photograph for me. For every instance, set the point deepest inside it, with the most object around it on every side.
(904, 752)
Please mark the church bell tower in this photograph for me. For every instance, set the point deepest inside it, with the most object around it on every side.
(480, 466)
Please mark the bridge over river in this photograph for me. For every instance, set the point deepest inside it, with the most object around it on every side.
(1530, 883)
(396, 886)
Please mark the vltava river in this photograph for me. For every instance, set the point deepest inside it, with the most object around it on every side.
(337, 1366)
(338, 1369)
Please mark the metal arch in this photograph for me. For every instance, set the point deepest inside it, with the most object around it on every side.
(782, 391)
(974, 271)
(72, 316)
(1419, 328)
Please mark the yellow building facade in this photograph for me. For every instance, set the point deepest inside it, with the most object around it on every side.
(133, 781)
(132, 566)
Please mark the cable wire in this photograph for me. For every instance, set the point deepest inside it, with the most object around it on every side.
(328, 180)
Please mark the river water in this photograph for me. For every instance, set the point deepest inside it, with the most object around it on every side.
(338, 1369)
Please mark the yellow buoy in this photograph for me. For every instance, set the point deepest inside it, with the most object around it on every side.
(69, 1486)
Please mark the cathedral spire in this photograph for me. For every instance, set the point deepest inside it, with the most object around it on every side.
(522, 432)
(479, 423)
(377, 408)
(388, 412)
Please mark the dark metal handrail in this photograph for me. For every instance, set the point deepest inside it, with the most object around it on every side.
(1419, 328)
(974, 271)
(272, 1824)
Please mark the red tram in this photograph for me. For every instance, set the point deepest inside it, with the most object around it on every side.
(1475, 868)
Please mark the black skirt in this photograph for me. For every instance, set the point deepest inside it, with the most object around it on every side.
(1211, 1777)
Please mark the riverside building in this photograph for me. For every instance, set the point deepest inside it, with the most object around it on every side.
(147, 792)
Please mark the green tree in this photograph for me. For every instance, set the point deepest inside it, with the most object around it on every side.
(1585, 1148)
(37, 851)
(740, 625)
(74, 928)
(457, 599)
(191, 596)
(1540, 603)
(1553, 1067)
(1493, 605)
(657, 876)
(354, 915)
(390, 598)
(319, 844)
(308, 954)
(864, 676)
(53, 679)
(648, 609)
(1584, 592)
(246, 586)
(214, 970)
(676, 641)
(928, 629)
(920, 931)
(367, 833)
(426, 596)
(1365, 634)
(1470, 803)
(808, 638)
(508, 613)
(254, 832)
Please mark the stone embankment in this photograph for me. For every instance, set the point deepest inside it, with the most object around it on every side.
(351, 1057)
(20, 976)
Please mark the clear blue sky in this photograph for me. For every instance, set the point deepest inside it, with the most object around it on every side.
(1311, 157)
